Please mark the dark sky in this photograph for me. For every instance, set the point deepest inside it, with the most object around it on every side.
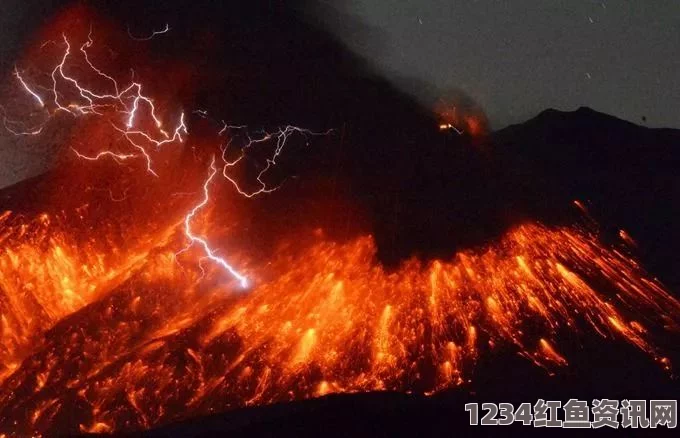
(514, 57)
(518, 57)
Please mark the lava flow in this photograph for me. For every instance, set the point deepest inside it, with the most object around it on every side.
(171, 343)
(104, 333)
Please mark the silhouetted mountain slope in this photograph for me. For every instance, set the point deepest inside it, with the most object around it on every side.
(625, 174)
(619, 375)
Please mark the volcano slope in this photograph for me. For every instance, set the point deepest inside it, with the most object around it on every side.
(104, 334)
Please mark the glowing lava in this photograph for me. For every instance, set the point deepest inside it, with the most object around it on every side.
(162, 347)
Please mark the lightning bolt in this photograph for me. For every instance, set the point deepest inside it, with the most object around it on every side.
(153, 34)
(128, 101)
(202, 242)
(102, 154)
(9, 126)
(23, 83)
(279, 138)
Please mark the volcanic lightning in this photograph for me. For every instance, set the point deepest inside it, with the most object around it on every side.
(194, 239)
(28, 89)
(126, 100)
(279, 137)
(151, 36)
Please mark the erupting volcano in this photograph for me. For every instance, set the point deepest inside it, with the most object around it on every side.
(138, 287)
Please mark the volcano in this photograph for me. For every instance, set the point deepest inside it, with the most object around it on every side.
(176, 268)
(107, 336)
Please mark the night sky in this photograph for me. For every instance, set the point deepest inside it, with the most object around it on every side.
(516, 58)
(512, 58)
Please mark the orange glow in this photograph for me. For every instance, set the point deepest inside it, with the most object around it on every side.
(461, 118)
(474, 126)
(111, 322)
(330, 319)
